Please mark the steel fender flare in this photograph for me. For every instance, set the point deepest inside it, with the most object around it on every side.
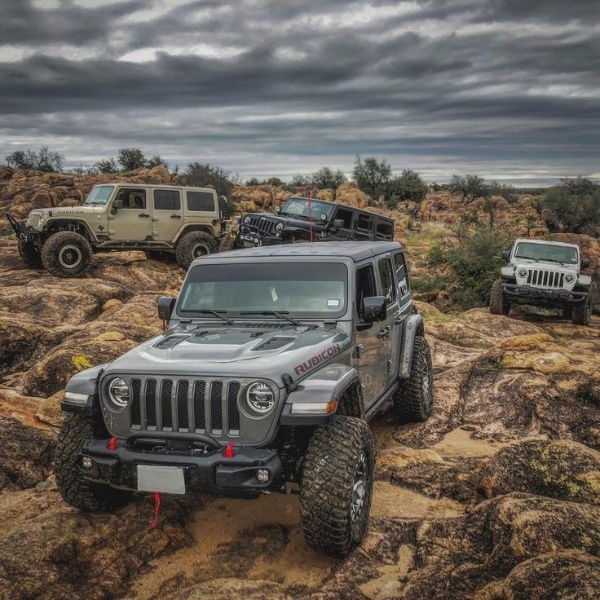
(412, 325)
(81, 391)
(188, 227)
(321, 387)
(584, 280)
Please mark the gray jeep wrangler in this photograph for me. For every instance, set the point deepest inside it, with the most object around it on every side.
(545, 273)
(273, 362)
(185, 222)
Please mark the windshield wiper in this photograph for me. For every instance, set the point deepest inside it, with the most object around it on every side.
(208, 311)
(279, 315)
(528, 258)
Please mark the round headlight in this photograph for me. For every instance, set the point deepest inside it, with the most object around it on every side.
(279, 227)
(246, 219)
(260, 397)
(522, 272)
(118, 390)
(569, 278)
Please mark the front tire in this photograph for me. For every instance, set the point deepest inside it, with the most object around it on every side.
(498, 303)
(192, 245)
(582, 312)
(29, 253)
(74, 489)
(66, 254)
(413, 400)
(337, 486)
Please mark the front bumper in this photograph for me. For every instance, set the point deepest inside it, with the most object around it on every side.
(203, 471)
(526, 292)
(26, 233)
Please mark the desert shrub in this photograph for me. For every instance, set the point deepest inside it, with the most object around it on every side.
(473, 262)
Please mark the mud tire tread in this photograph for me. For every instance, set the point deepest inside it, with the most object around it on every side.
(327, 482)
(50, 254)
(498, 305)
(184, 249)
(29, 254)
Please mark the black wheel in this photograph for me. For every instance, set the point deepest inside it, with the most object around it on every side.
(567, 311)
(337, 485)
(30, 254)
(66, 254)
(413, 399)
(192, 245)
(499, 305)
(74, 489)
(582, 312)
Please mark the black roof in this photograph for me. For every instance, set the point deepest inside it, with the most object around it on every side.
(357, 251)
(349, 206)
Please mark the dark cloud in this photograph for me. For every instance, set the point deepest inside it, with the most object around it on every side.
(438, 86)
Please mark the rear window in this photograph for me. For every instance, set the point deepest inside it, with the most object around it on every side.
(167, 200)
(201, 201)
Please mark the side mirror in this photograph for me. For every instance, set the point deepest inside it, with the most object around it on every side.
(338, 223)
(277, 210)
(374, 309)
(506, 254)
(118, 203)
(165, 309)
(585, 263)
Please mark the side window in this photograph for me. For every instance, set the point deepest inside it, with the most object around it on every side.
(386, 274)
(200, 201)
(132, 198)
(364, 223)
(167, 200)
(401, 274)
(384, 230)
(365, 287)
(345, 215)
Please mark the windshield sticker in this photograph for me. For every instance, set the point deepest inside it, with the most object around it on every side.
(317, 359)
(333, 303)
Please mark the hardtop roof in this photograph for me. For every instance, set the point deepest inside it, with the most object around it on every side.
(349, 206)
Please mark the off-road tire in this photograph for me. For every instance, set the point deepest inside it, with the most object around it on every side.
(29, 253)
(582, 311)
(66, 254)
(413, 399)
(75, 490)
(498, 303)
(337, 485)
(567, 312)
(192, 245)
(227, 244)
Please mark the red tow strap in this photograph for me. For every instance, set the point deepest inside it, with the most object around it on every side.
(156, 510)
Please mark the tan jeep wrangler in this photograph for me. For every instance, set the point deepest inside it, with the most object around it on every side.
(186, 222)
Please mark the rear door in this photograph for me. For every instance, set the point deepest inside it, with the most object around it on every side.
(168, 214)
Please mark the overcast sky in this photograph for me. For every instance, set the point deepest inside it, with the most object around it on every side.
(506, 89)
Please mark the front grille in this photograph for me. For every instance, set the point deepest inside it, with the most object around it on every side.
(209, 406)
(264, 225)
(545, 279)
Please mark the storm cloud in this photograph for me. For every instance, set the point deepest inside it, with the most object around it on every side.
(505, 89)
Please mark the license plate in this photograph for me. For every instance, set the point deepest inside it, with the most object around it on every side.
(167, 480)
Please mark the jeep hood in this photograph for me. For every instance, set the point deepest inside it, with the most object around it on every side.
(68, 211)
(230, 351)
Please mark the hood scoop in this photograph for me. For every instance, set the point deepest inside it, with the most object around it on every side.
(171, 341)
(275, 342)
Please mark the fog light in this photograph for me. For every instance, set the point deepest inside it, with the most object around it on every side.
(86, 462)
(263, 475)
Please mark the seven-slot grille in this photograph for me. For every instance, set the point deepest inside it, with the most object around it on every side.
(263, 224)
(185, 405)
(547, 279)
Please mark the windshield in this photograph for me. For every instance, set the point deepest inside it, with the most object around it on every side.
(99, 194)
(299, 207)
(562, 254)
(295, 289)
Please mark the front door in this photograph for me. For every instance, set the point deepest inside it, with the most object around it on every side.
(132, 221)
(372, 349)
(389, 331)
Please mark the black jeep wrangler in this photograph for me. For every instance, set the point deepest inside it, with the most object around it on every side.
(308, 220)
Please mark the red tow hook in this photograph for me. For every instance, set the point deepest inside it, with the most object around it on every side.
(112, 444)
(229, 453)
(156, 510)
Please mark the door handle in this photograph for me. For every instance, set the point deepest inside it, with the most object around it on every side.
(175, 216)
(383, 332)
(143, 215)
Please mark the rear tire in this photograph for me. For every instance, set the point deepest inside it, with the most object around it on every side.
(30, 254)
(193, 245)
(74, 489)
(498, 303)
(414, 399)
(337, 486)
(66, 254)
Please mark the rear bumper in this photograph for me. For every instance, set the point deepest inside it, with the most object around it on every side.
(525, 292)
(208, 472)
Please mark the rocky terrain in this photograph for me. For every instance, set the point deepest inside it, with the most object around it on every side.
(495, 497)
